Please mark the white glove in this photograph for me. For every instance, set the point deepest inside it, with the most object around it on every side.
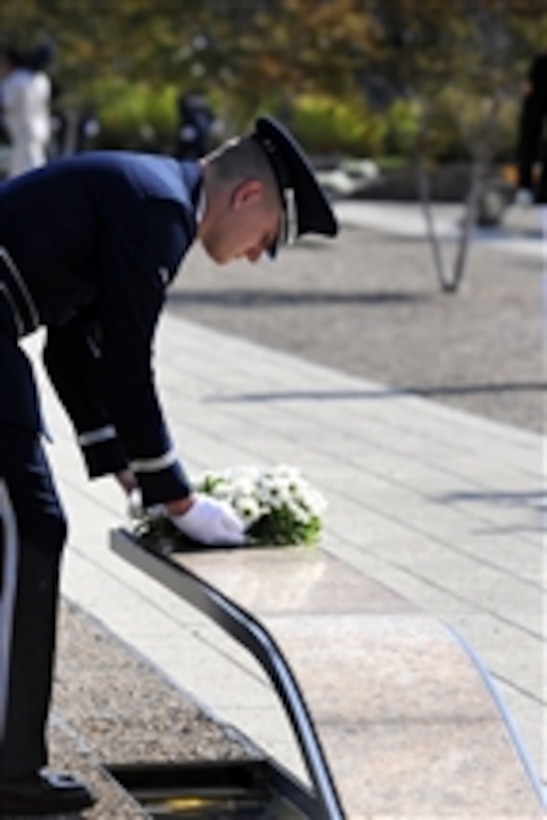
(524, 198)
(211, 522)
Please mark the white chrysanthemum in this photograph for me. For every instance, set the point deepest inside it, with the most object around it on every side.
(248, 508)
(311, 499)
(272, 492)
(287, 472)
(300, 513)
(242, 486)
(222, 491)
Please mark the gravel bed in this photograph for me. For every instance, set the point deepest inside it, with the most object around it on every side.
(110, 706)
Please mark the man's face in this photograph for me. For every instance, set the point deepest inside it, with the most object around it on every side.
(246, 226)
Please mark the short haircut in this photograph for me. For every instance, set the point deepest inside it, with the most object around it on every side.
(240, 159)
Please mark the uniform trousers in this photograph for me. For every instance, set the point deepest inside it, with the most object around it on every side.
(33, 532)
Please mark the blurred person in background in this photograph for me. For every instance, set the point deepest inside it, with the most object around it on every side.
(195, 125)
(88, 128)
(531, 149)
(25, 98)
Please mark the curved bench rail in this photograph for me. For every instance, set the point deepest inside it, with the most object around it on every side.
(251, 634)
(505, 715)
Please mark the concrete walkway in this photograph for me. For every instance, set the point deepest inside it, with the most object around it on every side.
(442, 507)
(520, 232)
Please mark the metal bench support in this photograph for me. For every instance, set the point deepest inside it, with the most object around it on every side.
(251, 634)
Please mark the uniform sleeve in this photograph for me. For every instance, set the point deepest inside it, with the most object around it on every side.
(530, 126)
(131, 295)
(71, 358)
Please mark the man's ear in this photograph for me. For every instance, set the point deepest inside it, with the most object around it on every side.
(247, 193)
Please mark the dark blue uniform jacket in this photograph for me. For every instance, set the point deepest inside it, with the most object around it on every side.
(88, 246)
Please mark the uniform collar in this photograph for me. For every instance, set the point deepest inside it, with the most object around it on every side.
(201, 203)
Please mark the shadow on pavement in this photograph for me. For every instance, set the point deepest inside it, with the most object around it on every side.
(380, 393)
(263, 298)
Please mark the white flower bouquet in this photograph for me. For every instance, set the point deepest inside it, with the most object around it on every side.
(277, 505)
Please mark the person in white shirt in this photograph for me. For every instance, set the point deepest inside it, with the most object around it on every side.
(25, 97)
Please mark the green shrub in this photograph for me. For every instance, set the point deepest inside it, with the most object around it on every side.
(350, 127)
(402, 124)
(139, 116)
(326, 125)
(135, 116)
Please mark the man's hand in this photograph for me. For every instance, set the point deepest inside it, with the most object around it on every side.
(127, 481)
(209, 521)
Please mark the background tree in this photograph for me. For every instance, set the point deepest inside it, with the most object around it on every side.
(248, 53)
(459, 71)
(436, 79)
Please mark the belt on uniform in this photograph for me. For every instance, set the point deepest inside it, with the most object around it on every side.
(17, 296)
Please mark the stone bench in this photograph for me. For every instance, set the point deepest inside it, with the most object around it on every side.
(394, 714)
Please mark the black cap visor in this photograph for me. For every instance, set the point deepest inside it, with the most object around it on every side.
(306, 208)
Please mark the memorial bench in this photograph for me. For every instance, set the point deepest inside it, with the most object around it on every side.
(393, 713)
